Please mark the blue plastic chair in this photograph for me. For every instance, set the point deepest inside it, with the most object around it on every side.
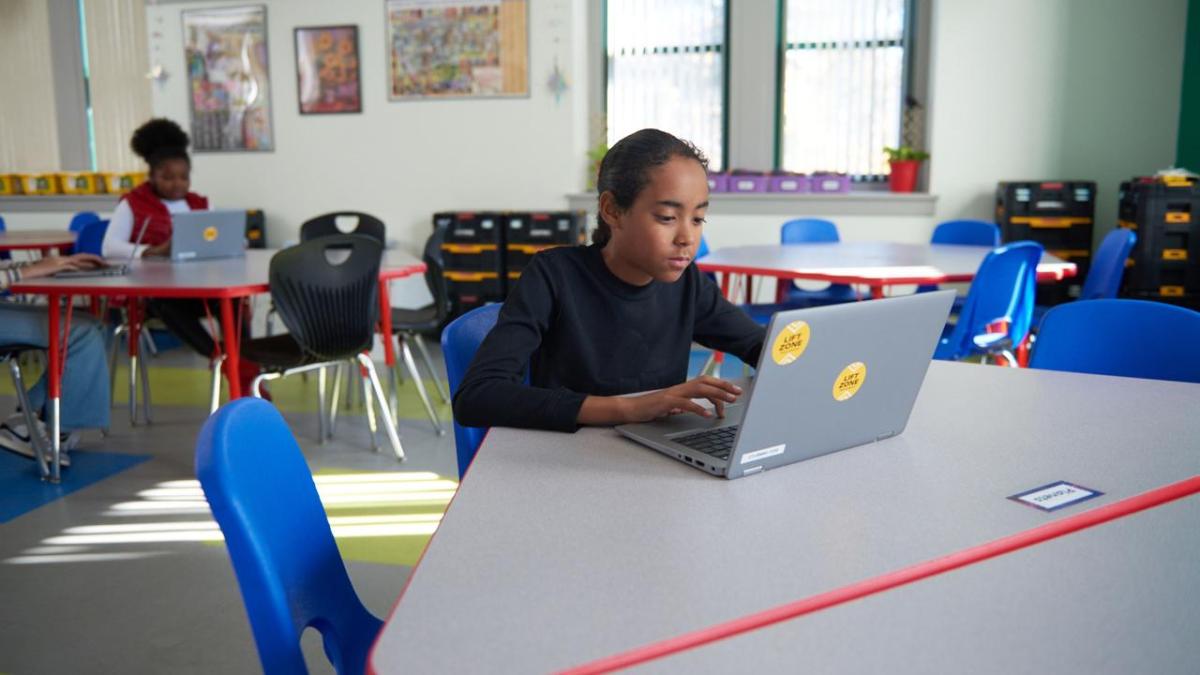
(91, 237)
(963, 233)
(79, 220)
(1131, 338)
(1003, 289)
(460, 339)
(1107, 269)
(287, 563)
(1108, 266)
(4, 255)
(813, 231)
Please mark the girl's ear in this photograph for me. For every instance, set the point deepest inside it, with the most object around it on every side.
(609, 210)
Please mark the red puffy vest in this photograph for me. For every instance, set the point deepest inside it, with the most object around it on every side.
(143, 202)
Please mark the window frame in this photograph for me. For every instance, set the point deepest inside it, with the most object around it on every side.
(908, 60)
(722, 49)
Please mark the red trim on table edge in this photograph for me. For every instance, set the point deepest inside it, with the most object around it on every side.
(1056, 274)
(890, 580)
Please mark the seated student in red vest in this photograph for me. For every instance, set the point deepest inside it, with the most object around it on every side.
(163, 144)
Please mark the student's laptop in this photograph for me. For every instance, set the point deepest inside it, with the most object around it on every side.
(201, 235)
(110, 270)
(829, 378)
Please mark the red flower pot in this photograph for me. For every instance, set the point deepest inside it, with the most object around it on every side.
(904, 175)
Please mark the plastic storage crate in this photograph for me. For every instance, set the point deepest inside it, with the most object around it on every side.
(1165, 261)
(1057, 214)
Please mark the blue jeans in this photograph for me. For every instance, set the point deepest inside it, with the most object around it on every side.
(85, 386)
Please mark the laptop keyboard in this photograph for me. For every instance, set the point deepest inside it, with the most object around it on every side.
(716, 442)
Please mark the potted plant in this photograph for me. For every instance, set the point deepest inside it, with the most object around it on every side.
(905, 161)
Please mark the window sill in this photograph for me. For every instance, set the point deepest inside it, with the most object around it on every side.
(857, 203)
(58, 203)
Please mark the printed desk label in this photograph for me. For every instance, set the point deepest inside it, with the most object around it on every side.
(1055, 495)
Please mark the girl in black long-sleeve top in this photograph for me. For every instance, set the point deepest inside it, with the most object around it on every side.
(617, 317)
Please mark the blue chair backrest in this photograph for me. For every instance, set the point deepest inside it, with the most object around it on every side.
(287, 563)
(967, 233)
(702, 249)
(1003, 288)
(808, 231)
(82, 218)
(91, 237)
(4, 255)
(1131, 338)
(1108, 266)
(460, 339)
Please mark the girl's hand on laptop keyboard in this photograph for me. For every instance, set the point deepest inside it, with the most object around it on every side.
(51, 264)
(678, 399)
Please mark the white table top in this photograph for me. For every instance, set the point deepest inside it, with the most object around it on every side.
(561, 549)
(1117, 598)
(866, 262)
(225, 277)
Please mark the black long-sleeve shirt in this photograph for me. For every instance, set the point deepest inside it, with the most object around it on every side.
(582, 331)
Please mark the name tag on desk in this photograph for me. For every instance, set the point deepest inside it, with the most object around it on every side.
(1055, 495)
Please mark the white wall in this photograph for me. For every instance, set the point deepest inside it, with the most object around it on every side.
(1051, 89)
(401, 161)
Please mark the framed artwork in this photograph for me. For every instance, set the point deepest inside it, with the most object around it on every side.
(457, 48)
(228, 85)
(327, 70)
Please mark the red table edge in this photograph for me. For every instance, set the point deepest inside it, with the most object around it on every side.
(1058, 273)
(900, 577)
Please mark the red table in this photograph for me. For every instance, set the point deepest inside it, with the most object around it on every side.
(224, 280)
(873, 264)
(37, 240)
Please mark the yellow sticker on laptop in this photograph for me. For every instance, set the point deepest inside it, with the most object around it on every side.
(849, 381)
(790, 343)
(210, 233)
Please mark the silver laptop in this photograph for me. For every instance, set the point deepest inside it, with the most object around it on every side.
(201, 235)
(829, 378)
(110, 270)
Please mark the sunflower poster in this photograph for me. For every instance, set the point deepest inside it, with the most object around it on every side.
(230, 90)
(327, 70)
(457, 48)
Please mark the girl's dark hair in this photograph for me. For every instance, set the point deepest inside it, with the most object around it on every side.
(158, 140)
(625, 169)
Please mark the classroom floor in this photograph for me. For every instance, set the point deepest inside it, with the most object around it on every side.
(128, 574)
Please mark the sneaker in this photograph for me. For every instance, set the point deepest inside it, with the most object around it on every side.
(14, 437)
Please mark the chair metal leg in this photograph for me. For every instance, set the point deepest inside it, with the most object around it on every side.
(388, 422)
(366, 392)
(144, 373)
(412, 369)
(215, 398)
(35, 438)
(321, 406)
(133, 371)
(113, 345)
(333, 402)
(351, 375)
(437, 379)
(393, 390)
(270, 319)
(149, 342)
(256, 383)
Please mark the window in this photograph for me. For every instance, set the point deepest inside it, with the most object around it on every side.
(842, 85)
(666, 69)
